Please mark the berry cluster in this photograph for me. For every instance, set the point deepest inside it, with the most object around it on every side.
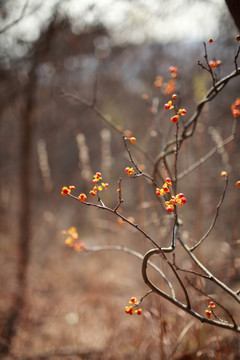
(165, 188)
(96, 188)
(130, 309)
(67, 190)
(236, 108)
(72, 239)
(179, 199)
(96, 178)
(170, 105)
(129, 171)
(209, 312)
(214, 63)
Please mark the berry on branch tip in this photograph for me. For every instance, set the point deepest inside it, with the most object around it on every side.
(224, 174)
(65, 191)
(237, 184)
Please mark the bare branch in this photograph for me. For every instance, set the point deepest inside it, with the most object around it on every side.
(207, 272)
(214, 219)
(136, 254)
(17, 20)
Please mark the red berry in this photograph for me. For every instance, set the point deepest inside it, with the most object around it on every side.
(181, 195)
(167, 106)
(169, 209)
(174, 119)
(168, 180)
(184, 200)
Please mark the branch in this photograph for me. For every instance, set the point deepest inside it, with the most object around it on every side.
(14, 22)
(214, 219)
(216, 302)
(207, 272)
(150, 284)
(134, 253)
(180, 305)
(210, 95)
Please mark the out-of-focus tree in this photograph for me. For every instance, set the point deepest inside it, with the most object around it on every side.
(234, 8)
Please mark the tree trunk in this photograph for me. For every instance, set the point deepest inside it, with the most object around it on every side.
(234, 8)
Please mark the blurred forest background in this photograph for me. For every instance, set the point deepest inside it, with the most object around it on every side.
(57, 302)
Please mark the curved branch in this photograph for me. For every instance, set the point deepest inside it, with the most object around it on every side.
(151, 285)
(134, 253)
(179, 304)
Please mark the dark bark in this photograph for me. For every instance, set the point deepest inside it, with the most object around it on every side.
(39, 53)
(234, 8)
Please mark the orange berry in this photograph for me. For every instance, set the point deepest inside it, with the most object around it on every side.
(133, 300)
(173, 69)
(174, 96)
(174, 119)
(132, 140)
(182, 111)
(208, 313)
(65, 191)
(212, 64)
(224, 174)
(210, 41)
(237, 37)
(167, 106)
(165, 188)
(237, 184)
(145, 97)
(79, 246)
(82, 197)
(211, 304)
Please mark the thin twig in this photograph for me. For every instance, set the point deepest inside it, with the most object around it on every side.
(190, 126)
(17, 20)
(182, 306)
(204, 158)
(214, 219)
(216, 302)
(207, 272)
(235, 59)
